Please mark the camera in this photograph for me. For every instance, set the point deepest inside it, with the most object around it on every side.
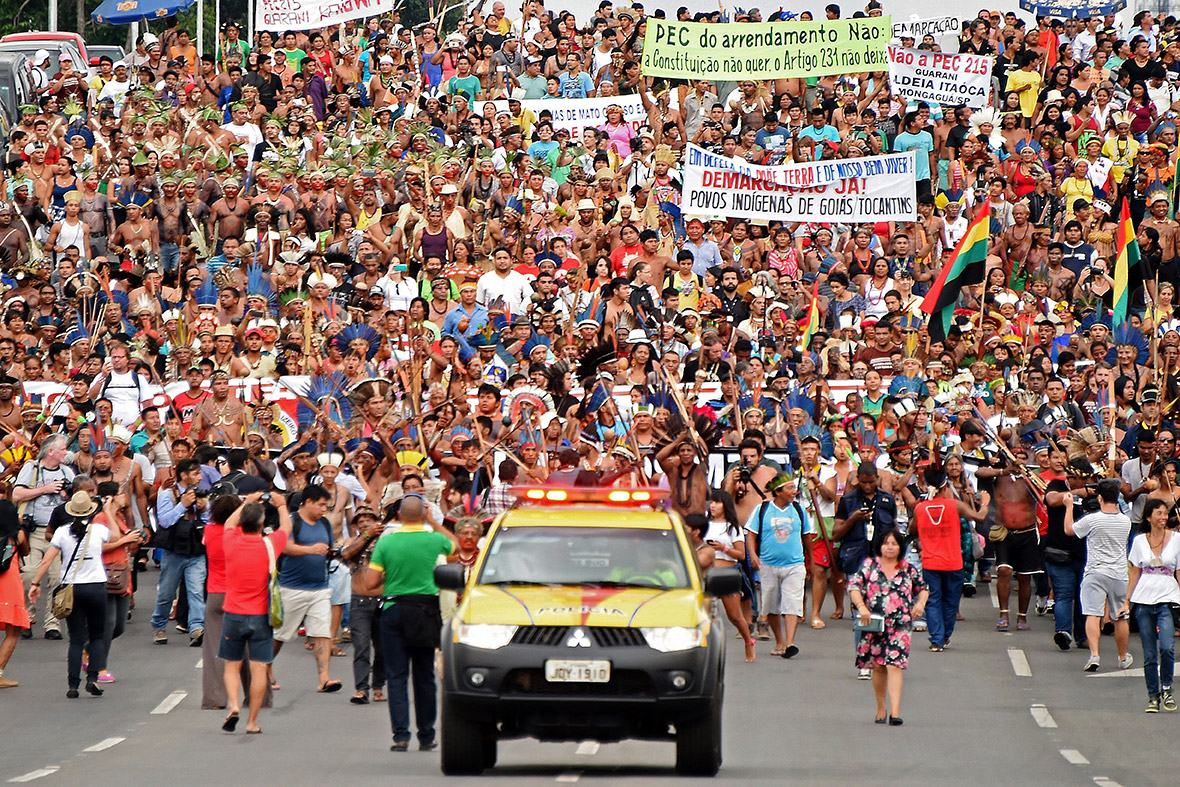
(201, 493)
(745, 475)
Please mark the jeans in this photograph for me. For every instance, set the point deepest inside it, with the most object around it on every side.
(1066, 607)
(946, 588)
(172, 568)
(367, 653)
(169, 257)
(87, 625)
(1159, 650)
(399, 660)
(117, 607)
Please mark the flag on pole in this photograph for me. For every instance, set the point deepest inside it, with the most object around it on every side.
(812, 318)
(1127, 274)
(966, 267)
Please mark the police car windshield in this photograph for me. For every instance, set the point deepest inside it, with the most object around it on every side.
(618, 557)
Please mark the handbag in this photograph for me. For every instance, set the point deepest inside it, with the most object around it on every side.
(275, 610)
(62, 603)
(1175, 609)
(1058, 557)
(118, 579)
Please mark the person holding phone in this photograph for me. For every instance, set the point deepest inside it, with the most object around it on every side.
(1154, 592)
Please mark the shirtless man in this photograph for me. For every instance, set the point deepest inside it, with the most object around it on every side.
(10, 418)
(650, 240)
(208, 133)
(12, 237)
(1016, 241)
(220, 418)
(1061, 279)
(1167, 230)
(228, 214)
(319, 202)
(137, 234)
(588, 233)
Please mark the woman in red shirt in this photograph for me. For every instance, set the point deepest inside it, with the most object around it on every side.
(249, 562)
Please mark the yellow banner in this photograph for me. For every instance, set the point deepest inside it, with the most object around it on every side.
(770, 50)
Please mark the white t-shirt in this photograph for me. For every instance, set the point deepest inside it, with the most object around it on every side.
(513, 288)
(87, 567)
(1106, 543)
(1157, 584)
(719, 532)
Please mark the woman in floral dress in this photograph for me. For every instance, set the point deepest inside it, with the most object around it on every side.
(889, 586)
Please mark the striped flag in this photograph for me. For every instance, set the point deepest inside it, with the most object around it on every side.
(1127, 274)
(812, 318)
(966, 268)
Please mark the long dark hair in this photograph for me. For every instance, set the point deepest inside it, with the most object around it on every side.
(78, 528)
(732, 525)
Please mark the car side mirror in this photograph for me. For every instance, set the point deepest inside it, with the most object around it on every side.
(718, 582)
(449, 576)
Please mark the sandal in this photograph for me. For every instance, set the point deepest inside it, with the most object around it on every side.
(360, 698)
(1002, 623)
(934, 649)
(837, 615)
(816, 623)
(231, 722)
(309, 645)
(1022, 623)
(339, 652)
(330, 687)
(378, 695)
(778, 651)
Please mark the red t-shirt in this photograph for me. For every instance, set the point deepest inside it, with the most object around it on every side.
(247, 571)
(937, 522)
(620, 258)
(215, 551)
(187, 404)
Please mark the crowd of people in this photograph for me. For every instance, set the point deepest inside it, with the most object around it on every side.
(335, 281)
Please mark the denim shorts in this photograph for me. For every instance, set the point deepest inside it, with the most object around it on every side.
(239, 630)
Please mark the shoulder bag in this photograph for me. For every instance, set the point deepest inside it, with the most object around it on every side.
(62, 603)
(275, 609)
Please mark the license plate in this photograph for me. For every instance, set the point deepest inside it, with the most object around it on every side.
(577, 671)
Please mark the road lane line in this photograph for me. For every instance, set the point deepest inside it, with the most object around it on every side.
(991, 591)
(169, 703)
(105, 744)
(200, 664)
(1103, 781)
(1074, 757)
(587, 748)
(1041, 715)
(569, 776)
(32, 775)
(1019, 663)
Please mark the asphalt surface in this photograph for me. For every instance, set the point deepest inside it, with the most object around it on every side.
(1000, 706)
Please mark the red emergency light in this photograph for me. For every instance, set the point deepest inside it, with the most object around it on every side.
(562, 494)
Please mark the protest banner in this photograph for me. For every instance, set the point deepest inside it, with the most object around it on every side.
(941, 78)
(873, 188)
(770, 50)
(310, 14)
(574, 114)
(917, 28)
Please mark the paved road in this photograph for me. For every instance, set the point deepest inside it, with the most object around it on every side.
(1010, 706)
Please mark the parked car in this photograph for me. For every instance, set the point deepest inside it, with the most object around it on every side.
(54, 47)
(115, 53)
(43, 37)
(16, 88)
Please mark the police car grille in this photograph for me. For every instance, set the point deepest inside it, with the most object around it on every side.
(548, 636)
(622, 683)
(612, 637)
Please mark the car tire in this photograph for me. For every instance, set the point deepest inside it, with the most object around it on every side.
(462, 743)
(489, 748)
(698, 742)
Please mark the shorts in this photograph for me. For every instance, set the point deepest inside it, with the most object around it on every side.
(782, 589)
(1097, 589)
(310, 608)
(1020, 552)
(239, 630)
(340, 582)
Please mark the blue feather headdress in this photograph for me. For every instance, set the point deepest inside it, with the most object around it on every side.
(363, 332)
(206, 294)
(258, 284)
(327, 391)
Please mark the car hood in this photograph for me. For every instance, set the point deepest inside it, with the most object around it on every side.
(582, 606)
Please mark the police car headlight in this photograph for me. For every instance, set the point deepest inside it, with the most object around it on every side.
(484, 635)
(673, 638)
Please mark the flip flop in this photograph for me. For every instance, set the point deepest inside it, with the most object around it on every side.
(934, 649)
(1021, 625)
(1002, 624)
(339, 652)
(778, 651)
(818, 624)
(837, 615)
(359, 698)
(330, 687)
(231, 722)
(254, 732)
(378, 695)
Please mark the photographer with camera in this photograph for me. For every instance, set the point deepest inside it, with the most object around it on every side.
(181, 514)
(38, 490)
(303, 583)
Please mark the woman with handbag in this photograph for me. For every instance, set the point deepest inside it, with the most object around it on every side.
(888, 594)
(1153, 593)
(14, 614)
(116, 560)
(81, 598)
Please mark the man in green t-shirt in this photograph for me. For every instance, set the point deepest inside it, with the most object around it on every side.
(402, 566)
(464, 81)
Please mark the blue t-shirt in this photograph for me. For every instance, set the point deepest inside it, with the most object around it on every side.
(921, 142)
(575, 87)
(541, 150)
(307, 572)
(783, 546)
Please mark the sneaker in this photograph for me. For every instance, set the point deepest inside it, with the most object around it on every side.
(1061, 638)
(53, 634)
(195, 639)
(1042, 605)
(1049, 607)
(920, 626)
(762, 631)
(1091, 664)
(1126, 661)
(1167, 700)
(864, 674)
(161, 637)
(400, 746)
(27, 634)
(427, 745)
(181, 628)
(1153, 705)
(968, 590)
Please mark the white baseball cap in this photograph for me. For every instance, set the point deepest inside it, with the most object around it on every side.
(40, 56)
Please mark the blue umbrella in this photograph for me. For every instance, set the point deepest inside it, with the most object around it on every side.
(1065, 9)
(124, 12)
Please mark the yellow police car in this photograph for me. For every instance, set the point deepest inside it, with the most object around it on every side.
(585, 618)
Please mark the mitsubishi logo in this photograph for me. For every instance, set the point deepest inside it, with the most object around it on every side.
(578, 639)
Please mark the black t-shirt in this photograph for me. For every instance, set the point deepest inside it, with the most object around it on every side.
(1055, 536)
(245, 483)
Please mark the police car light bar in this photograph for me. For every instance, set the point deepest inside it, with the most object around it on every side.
(543, 494)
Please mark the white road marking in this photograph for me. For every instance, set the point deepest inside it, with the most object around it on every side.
(991, 591)
(105, 744)
(569, 776)
(587, 748)
(1074, 757)
(31, 775)
(1019, 663)
(1123, 673)
(1103, 781)
(200, 664)
(1041, 716)
(169, 703)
